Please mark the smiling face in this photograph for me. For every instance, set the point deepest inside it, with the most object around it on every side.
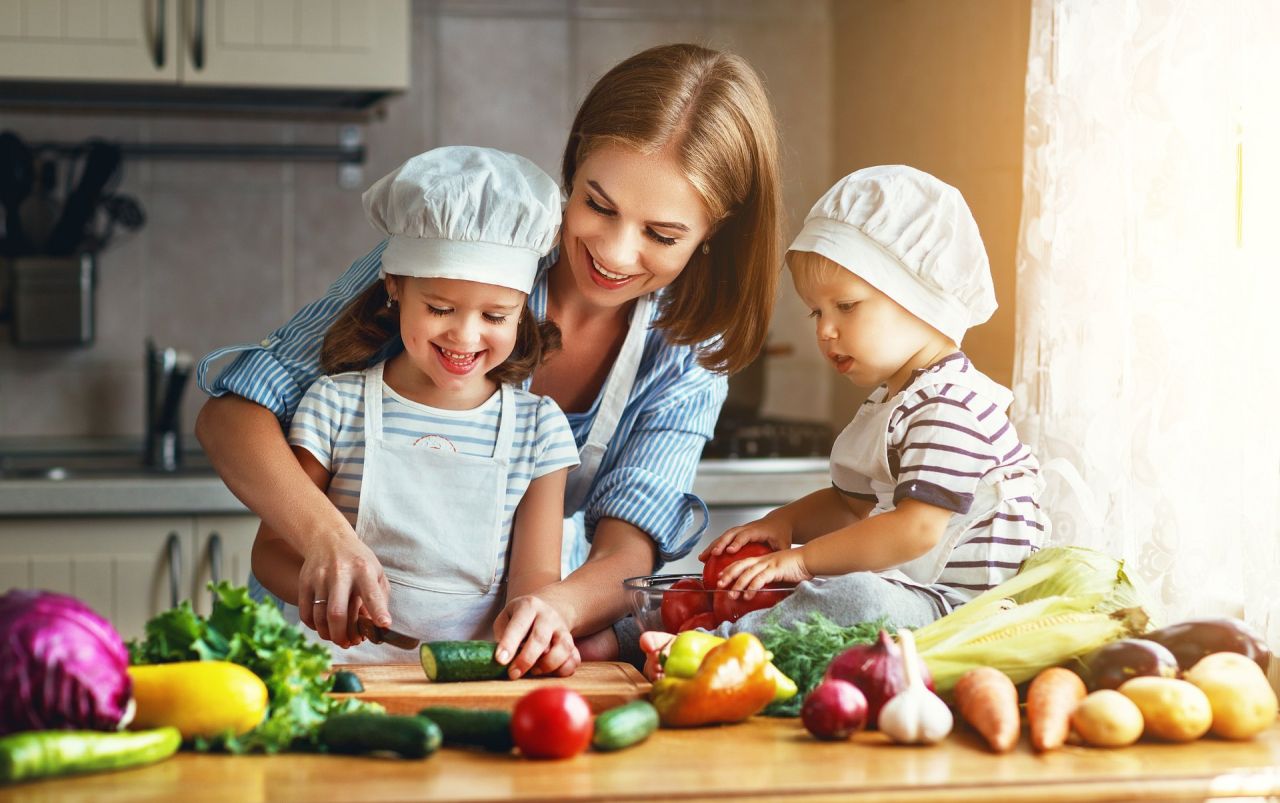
(866, 336)
(632, 223)
(454, 332)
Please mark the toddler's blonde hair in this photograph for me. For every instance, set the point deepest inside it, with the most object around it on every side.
(810, 269)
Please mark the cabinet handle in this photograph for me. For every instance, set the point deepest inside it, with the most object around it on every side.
(197, 42)
(215, 557)
(174, 547)
(158, 54)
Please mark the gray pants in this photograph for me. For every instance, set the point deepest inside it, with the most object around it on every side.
(846, 599)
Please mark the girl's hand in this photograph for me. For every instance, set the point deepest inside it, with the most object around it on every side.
(749, 575)
(339, 578)
(533, 638)
(774, 532)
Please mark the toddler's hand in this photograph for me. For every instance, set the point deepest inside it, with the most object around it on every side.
(749, 575)
(769, 531)
(655, 644)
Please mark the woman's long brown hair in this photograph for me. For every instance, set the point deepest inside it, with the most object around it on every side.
(365, 326)
(712, 109)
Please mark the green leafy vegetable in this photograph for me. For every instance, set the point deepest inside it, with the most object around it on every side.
(803, 650)
(254, 635)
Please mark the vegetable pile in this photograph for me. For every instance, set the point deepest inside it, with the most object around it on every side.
(253, 635)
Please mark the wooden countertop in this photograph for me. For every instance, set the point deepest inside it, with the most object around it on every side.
(762, 759)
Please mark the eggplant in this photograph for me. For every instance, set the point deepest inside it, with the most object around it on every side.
(1114, 663)
(1194, 639)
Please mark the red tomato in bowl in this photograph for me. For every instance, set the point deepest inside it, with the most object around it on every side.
(726, 609)
(553, 722)
(705, 620)
(682, 601)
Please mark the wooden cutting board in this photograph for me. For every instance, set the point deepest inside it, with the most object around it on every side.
(404, 688)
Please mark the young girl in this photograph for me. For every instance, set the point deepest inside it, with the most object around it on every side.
(934, 499)
(453, 477)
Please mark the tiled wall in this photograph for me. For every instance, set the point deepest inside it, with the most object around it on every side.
(230, 250)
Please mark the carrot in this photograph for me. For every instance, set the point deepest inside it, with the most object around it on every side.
(1051, 699)
(989, 702)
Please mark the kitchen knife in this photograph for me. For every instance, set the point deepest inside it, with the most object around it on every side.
(379, 635)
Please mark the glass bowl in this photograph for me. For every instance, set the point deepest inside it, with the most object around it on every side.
(658, 606)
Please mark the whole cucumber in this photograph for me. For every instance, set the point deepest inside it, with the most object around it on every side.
(472, 727)
(363, 732)
(626, 725)
(47, 754)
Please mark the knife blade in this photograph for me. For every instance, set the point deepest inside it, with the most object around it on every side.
(380, 635)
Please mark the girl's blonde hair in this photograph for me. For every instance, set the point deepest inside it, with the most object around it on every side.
(365, 326)
(711, 109)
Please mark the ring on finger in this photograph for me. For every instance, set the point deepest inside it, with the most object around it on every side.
(319, 601)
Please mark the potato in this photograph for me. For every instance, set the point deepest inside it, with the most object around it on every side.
(1243, 702)
(1172, 709)
(1107, 718)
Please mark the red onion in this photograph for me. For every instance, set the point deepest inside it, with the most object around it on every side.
(877, 671)
(834, 710)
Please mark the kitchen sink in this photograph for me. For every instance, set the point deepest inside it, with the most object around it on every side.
(100, 465)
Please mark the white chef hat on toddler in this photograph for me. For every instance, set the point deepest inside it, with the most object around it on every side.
(910, 236)
(462, 212)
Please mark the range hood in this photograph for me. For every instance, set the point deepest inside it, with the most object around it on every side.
(152, 98)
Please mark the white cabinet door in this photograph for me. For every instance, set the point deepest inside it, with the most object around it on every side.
(134, 41)
(296, 43)
(223, 546)
(126, 569)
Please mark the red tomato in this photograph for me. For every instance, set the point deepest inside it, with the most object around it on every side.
(716, 563)
(730, 610)
(553, 722)
(685, 598)
(705, 620)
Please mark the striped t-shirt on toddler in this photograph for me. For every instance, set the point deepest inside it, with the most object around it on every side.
(329, 424)
(950, 445)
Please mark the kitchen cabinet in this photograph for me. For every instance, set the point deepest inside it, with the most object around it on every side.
(312, 44)
(128, 569)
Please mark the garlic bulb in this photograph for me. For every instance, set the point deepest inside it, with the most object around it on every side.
(914, 715)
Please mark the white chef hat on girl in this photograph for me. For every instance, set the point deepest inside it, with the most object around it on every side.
(910, 236)
(462, 212)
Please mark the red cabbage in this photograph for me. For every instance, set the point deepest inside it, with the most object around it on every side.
(62, 666)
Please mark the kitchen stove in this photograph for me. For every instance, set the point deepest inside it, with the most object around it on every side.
(752, 438)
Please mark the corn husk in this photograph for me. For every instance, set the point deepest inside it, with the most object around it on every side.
(1063, 603)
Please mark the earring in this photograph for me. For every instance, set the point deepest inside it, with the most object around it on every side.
(706, 247)
(391, 302)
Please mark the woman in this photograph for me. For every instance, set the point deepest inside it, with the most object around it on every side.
(664, 282)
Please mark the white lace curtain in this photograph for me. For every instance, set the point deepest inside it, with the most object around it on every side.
(1148, 285)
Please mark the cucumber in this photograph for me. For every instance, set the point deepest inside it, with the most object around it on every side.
(47, 754)
(487, 728)
(449, 661)
(625, 725)
(345, 682)
(408, 737)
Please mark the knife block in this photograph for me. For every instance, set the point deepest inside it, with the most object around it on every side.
(53, 300)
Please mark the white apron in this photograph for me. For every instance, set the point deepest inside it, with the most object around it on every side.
(861, 452)
(434, 520)
(617, 390)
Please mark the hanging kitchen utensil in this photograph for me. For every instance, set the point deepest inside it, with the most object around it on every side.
(101, 164)
(17, 175)
(40, 210)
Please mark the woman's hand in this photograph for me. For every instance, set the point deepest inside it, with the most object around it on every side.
(749, 575)
(775, 532)
(340, 580)
(533, 638)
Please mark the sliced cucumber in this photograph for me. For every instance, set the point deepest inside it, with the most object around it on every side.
(473, 727)
(449, 661)
(625, 725)
(409, 737)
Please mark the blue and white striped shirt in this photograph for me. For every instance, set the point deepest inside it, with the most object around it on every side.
(330, 425)
(646, 476)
